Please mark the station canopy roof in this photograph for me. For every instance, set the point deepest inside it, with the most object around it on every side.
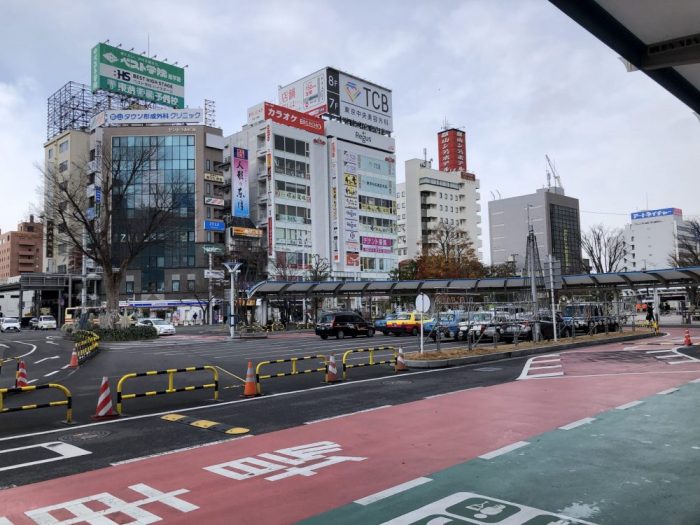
(641, 279)
(662, 39)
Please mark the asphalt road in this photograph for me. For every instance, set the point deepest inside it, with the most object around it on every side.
(392, 428)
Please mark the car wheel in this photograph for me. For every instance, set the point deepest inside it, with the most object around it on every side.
(370, 332)
(340, 334)
(354, 334)
(385, 332)
(324, 336)
(414, 332)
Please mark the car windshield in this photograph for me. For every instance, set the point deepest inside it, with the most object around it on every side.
(157, 321)
(10, 320)
(482, 316)
(47, 318)
(403, 317)
(326, 318)
(446, 317)
(391, 317)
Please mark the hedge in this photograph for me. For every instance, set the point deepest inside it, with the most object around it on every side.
(132, 333)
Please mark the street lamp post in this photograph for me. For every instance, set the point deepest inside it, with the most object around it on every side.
(233, 270)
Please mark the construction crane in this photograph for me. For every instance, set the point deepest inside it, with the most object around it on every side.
(552, 172)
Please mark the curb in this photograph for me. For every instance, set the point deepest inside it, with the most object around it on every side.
(497, 356)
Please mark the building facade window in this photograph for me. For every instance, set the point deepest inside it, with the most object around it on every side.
(176, 285)
(165, 165)
(63, 146)
(190, 285)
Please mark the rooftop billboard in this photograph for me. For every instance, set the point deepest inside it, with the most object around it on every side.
(332, 92)
(126, 73)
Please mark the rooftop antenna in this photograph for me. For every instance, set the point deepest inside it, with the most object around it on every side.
(493, 197)
(445, 123)
(499, 194)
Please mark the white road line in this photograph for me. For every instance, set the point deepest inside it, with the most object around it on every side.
(672, 356)
(683, 362)
(168, 452)
(695, 380)
(28, 344)
(66, 366)
(550, 374)
(52, 343)
(392, 491)
(504, 450)
(45, 359)
(578, 423)
(666, 351)
(64, 450)
(665, 392)
(346, 415)
(453, 392)
(264, 398)
(51, 373)
(544, 367)
(31, 381)
(531, 365)
(540, 361)
(629, 405)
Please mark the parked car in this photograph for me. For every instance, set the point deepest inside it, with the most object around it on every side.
(445, 326)
(483, 325)
(9, 324)
(406, 323)
(340, 324)
(588, 318)
(380, 324)
(33, 322)
(161, 326)
(46, 322)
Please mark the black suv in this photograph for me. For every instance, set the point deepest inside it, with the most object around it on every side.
(341, 324)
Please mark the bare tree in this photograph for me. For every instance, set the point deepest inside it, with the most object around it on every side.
(319, 270)
(688, 254)
(114, 229)
(449, 253)
(605, 247)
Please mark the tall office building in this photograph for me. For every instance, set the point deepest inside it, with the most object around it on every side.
(183, 158)
(430, 197)
(322, 176)
(555, 221)
(652, 239)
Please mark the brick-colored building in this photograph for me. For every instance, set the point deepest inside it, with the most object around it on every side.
(21, 250)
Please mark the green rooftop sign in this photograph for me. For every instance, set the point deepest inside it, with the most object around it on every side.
(131, 74)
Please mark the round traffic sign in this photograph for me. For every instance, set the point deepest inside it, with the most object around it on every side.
(422, 303)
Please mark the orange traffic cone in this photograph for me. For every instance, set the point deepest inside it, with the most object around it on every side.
(687, 341)
(331, 371)
(400, 362)
(21, 379)
(73, 360)
(250, 389)
(104, 402)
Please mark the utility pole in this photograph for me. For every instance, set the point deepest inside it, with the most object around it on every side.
(210, 290)
(551, 286)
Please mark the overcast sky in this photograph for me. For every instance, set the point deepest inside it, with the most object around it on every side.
(519, 76)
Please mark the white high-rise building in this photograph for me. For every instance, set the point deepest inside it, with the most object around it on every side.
(322, 177)
(430, 197)
(651, 239)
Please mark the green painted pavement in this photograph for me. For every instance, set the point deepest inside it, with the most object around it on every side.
(640, 465)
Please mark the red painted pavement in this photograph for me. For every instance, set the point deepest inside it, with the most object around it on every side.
(400, 444)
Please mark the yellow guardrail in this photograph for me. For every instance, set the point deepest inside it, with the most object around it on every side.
(68, 402)
(371, 362)
(294, 371)
(171, 387)
(87, 346)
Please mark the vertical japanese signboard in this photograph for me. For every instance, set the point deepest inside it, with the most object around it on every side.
(125, 73)
(452, 150)
(239, 181)
(351, 207)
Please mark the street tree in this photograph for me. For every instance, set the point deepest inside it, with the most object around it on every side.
(449, 253)
(688, 254)
(605, 247)
(133, 211)
(319, 270)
